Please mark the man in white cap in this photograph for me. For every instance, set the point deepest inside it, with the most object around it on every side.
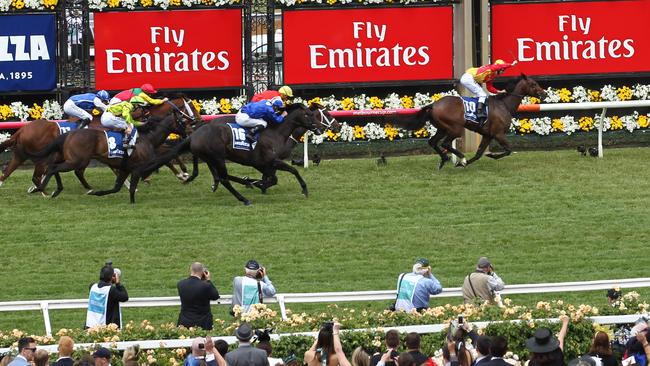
(252, 287)
(483, 283)
(246, 354)
(414, 289)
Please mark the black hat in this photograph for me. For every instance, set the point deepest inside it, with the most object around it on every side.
(244, 332)
(253, 265)
(102, 353)
(542, 341)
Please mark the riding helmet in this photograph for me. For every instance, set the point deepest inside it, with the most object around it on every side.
(286, 91)
(148, 88)
(103, 95)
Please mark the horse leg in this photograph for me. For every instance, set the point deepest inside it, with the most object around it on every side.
(195, 170)
(220, 166)
(433, 142)
(485, 142)
(13, 165)
(281, 165)
(38, 175)
(80, 176)
(119, 181)
(446, 143)
(183, 168)
(215, 178)
(135, 178)
(54, 170)
(59, 185)
(501, 139)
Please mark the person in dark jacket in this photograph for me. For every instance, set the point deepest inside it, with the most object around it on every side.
(105, 298)
(66, 347)
(196, 292)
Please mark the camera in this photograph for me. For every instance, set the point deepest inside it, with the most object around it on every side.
(461, 320)
(260, 273)
(201, 346)
(329, 326)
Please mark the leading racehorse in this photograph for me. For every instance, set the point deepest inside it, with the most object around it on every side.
(212, 143)
(448, 116)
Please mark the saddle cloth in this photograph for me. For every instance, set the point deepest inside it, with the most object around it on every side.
(65, 127)
(470, 105)
(114, 140)
(239, 141)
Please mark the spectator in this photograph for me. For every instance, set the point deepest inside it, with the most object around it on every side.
(449, 356)
(483, 344)
(85, 360)
(264, 343)
(5, 358)
(41, 358)
(583, 361)
(105, 297)
(456, 354)
(601, 348)
(102, 357)
(26, 351)
(498, 349)
(203, 352)
(221, 346)
(412, 342)
(323, 351)
(360, 357)
(545, 349)
(66, 346)
(482, 283)
(413, 289)
(639, 350)
(392, 343)
(291, 360)
(246, 355)
(195, 292)
(130, 356)
(252, 287)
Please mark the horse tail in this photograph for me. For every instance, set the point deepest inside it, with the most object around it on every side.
(10, 142)
(415, 121)
(54, 146)
(178, 149)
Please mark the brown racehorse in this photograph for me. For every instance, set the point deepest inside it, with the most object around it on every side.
(80, 146)
(447, 115)
(34, 136)
(212, 143)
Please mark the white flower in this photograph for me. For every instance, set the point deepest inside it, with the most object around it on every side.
(552, 95)
(52, 110)
(374, 131)
(580, 94)
(608, 93)
(420, 100)
(4, 137)
(238, 102)
(570, 124)
(161, 3)
(392, 101)
(20, 110)
(542, 125)
(129, 4)
(430, 128)
(97, 4)
(641, 92)
(630, 122)
(347, 132)
(210, 106)
(4, 5)
(317, 139)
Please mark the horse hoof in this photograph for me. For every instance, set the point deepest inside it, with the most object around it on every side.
(213, 188)
(462, 163)
(2, 182)
(247, 203)
(55, 193)
(32, 189)
(491, 156)
(186, 175)
(304, 192)
(90, 192)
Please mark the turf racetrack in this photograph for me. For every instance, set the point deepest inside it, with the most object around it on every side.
(539, 216)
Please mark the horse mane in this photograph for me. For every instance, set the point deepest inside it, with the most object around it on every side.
(177, 95)
(293, 106)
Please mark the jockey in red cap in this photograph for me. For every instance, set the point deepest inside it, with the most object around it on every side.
(142, 92)
(473, 77)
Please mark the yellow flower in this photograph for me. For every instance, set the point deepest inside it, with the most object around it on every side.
(391, 132)
(331, 2)
(36, 112)
(173, 136)
(314, 100)
(174, 2)
(146, 3)
(225, 106)
(525, 126)
(436, 97)
(565, 95)
(406, 101)
(615, 123)
(624, 93)
(557, 125)
(5, 112)
(347, 104)
(594, 96)
(422, 132)
(586, 123)
(642, 121)
(113, 3)
(376, 103)
(534, 100)
(358, 133)
(50, 4)
(331, 136)
(18, 4)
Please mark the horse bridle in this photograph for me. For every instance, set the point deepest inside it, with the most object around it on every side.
(328, 122)
(189, 115)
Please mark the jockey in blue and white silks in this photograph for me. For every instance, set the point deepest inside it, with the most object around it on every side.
(80, 105)
(257, 115)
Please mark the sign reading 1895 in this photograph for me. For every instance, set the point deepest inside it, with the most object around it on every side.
(27, 52)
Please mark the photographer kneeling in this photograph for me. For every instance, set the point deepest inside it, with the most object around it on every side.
(251, 288)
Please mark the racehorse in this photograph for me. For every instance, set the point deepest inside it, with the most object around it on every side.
(34, 136)
(78, 147)
(448, 116)
(269, 179)
(212, 143)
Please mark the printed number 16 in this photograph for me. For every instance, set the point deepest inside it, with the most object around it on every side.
(241, 134)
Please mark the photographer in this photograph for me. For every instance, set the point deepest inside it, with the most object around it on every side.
(414, 289)
(204, 354)
(105, 297)
(195, 292)
(252, 287)
(483, 283)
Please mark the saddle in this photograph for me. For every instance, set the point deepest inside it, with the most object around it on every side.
(470, 106)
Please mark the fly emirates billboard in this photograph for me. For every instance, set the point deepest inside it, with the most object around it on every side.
(169, 49)
(571, 37)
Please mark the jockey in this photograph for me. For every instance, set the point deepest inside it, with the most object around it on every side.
(79, 105)
(473, 77)
(256, 115)
(142, 91)
(284, 92)
(119, 116)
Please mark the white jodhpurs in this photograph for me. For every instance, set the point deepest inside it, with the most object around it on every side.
(114, 101)
(72, 109)
(110, 120)
(245, 120)
(468, 81)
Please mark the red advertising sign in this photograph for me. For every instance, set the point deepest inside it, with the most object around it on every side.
(169, 49)
(368, 45)
(584, 37)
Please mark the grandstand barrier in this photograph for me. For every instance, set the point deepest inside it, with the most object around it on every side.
(329, 297)
(422, 329)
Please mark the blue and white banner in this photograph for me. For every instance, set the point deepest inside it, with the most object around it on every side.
(27, 52)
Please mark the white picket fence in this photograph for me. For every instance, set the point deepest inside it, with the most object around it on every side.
(323, 297)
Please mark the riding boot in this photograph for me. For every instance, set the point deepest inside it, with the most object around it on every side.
(250, 135)
(480, 112)
(83, 123)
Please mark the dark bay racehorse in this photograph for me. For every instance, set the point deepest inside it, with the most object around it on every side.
(448, 116)
(74, 150)
(212, 143)
(34, 136)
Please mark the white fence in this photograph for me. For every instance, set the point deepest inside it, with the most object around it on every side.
(328, 297)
